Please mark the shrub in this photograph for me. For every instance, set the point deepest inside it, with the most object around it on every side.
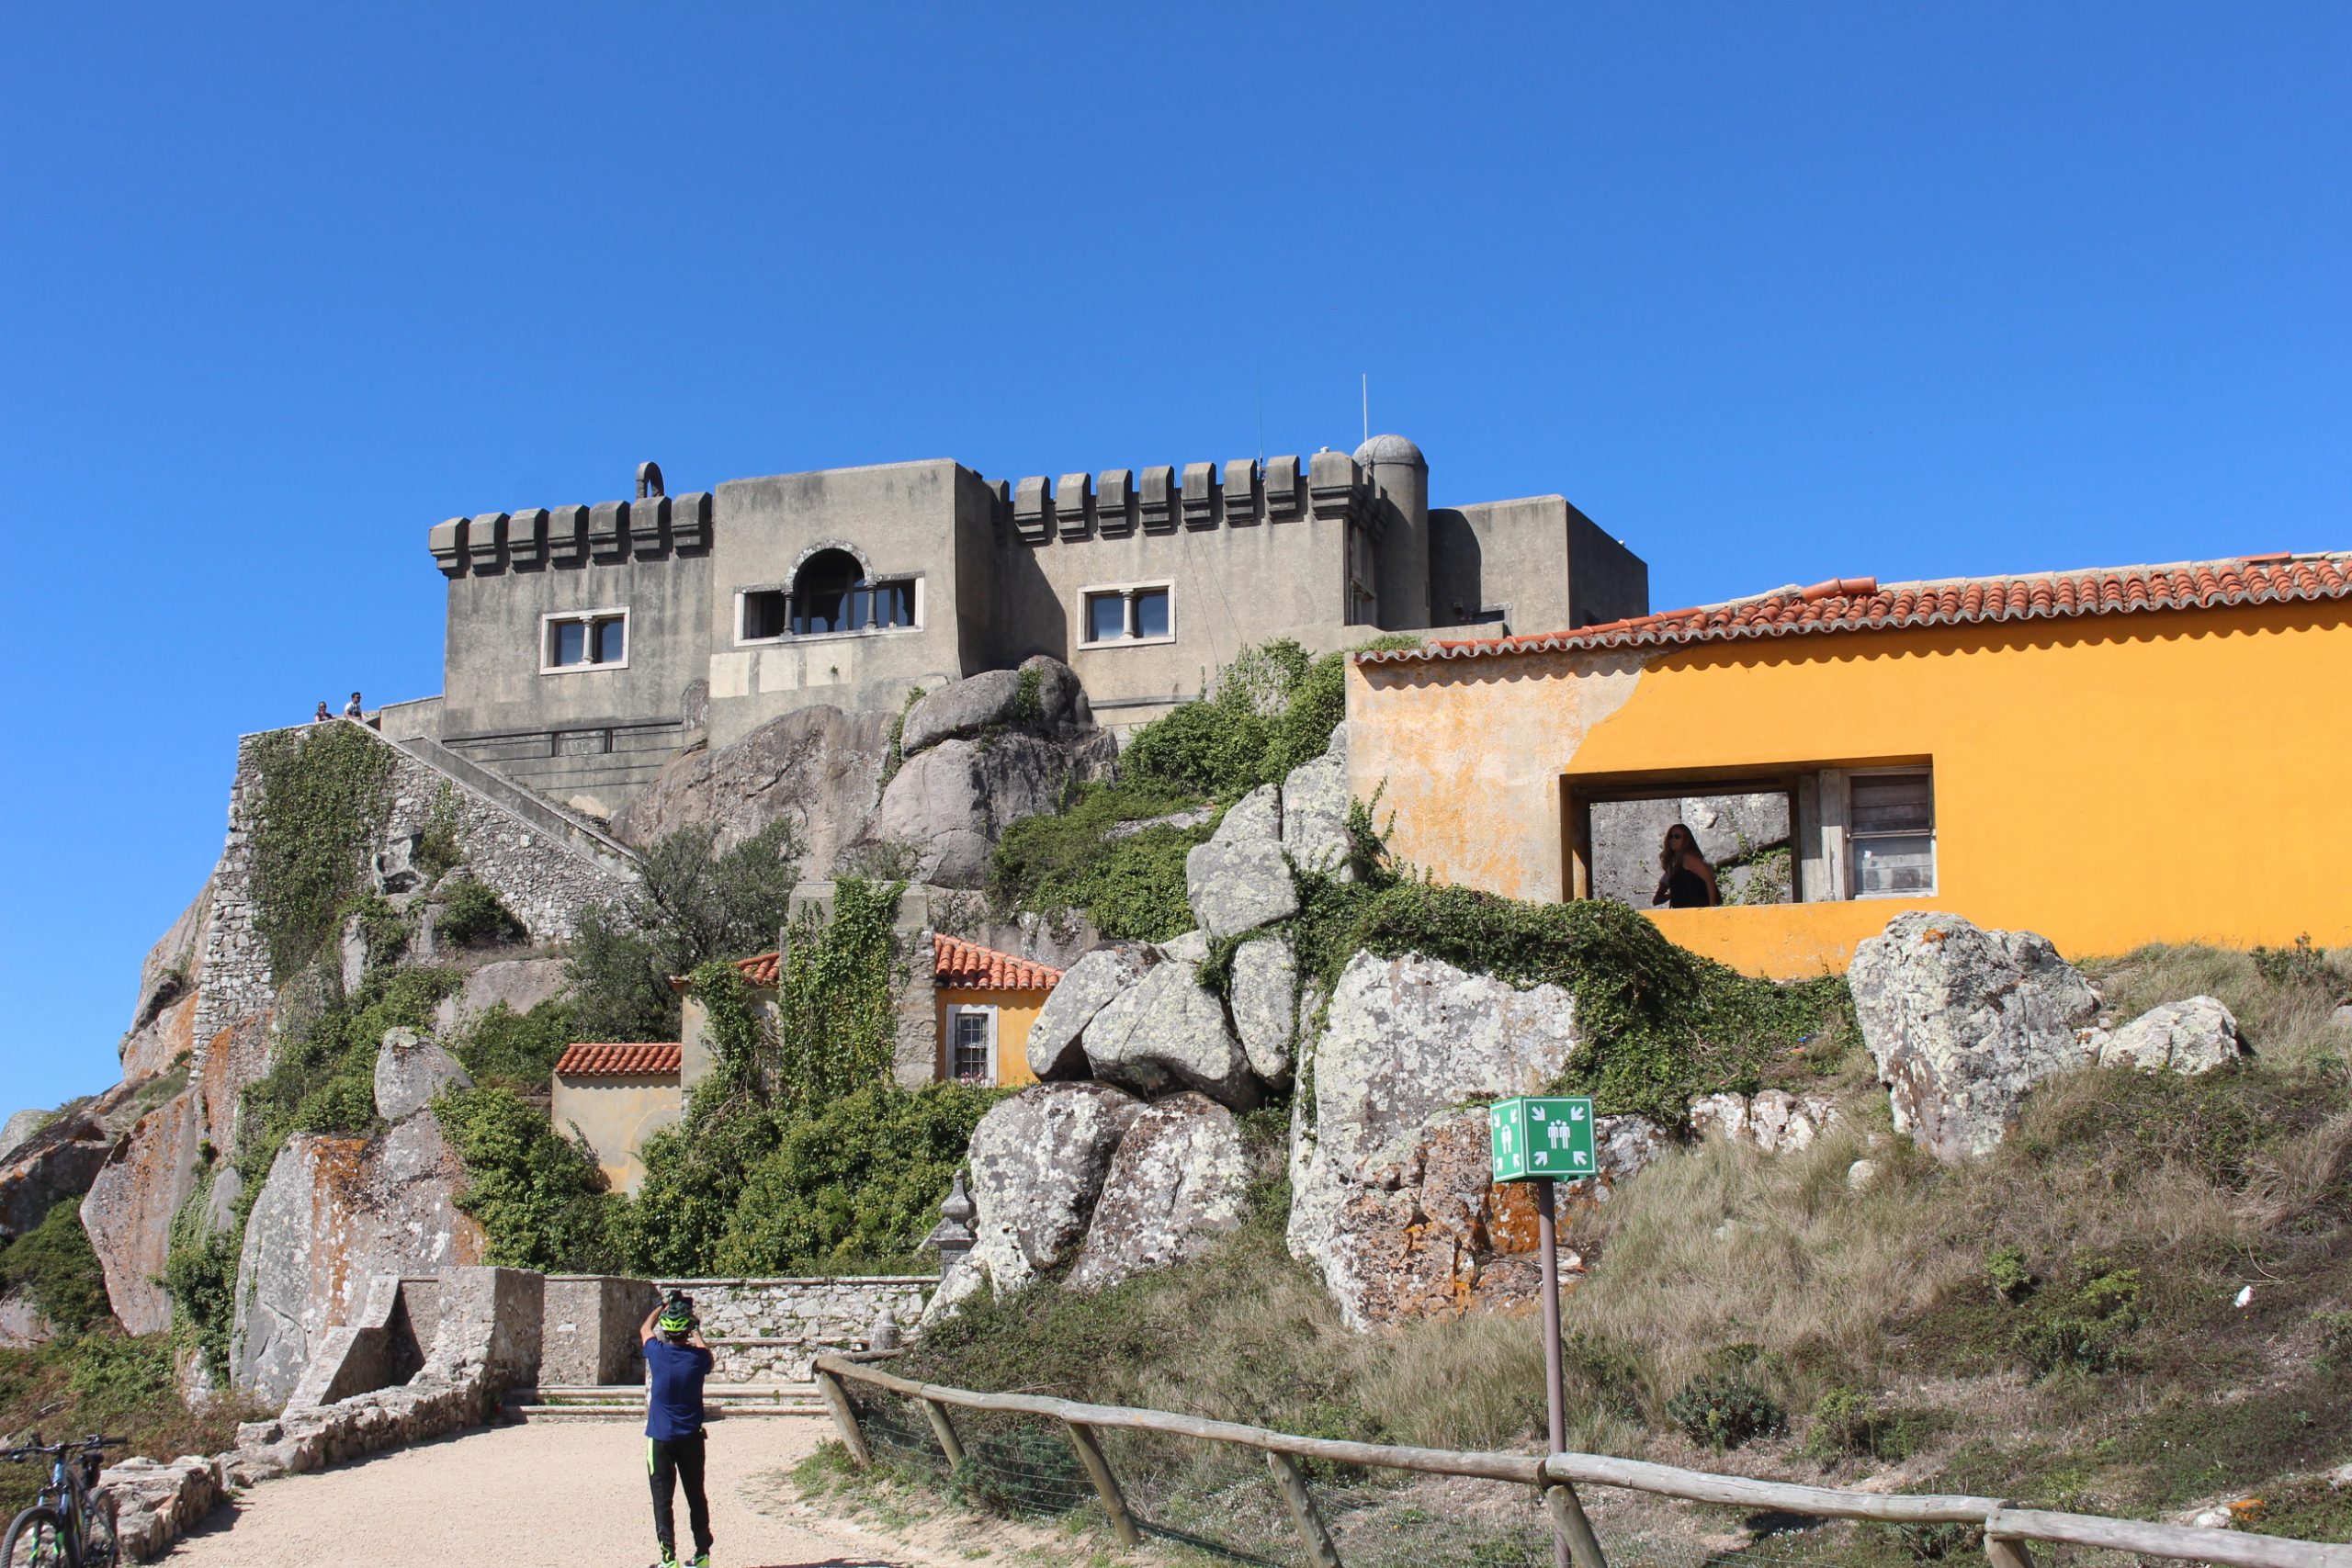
(54, 1263)
(518, 1049)
(2005, 1271)
(383, 930)
(114, 1373)
(1847, 1423)
(854, 1185)
(1129, 886)
(540, 1199)
(2085, 1330)
(472, 915)
(692, 904)
(1723, 1410)
(2301, 967)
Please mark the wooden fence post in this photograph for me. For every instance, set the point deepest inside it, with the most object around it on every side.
(1313, 1539)
(2005, 1551)
(836, 1399)
(945, 1430)
(1569, 1523)
(1106, 1487)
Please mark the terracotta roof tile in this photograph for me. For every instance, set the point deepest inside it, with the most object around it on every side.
(618, 1061)
(761, 969)
(967, 965)
(1857, 604)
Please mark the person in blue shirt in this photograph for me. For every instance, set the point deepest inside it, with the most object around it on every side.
(677, 1359)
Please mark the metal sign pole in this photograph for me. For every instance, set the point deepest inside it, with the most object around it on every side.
(1555, 1392)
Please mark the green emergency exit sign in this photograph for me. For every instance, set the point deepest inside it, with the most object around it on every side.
(1537, 1137)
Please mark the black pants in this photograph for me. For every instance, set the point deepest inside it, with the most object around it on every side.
(678, 1459)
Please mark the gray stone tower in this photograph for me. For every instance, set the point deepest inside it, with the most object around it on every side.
(1399, 477)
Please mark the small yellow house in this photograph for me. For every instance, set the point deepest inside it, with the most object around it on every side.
(987, 1002)
(2109, 757)
(981, 1004)
(616, 1096)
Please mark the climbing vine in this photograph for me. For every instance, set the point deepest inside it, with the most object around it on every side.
(325, 792)
(836, 1022)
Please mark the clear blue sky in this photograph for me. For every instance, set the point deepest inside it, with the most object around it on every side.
(1774, 292)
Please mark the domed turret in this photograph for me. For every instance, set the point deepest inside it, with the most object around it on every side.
(1400, 476)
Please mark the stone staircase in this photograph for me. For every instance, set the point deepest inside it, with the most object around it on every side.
(625, 1402)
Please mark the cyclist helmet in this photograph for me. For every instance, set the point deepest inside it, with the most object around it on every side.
(677, 1319)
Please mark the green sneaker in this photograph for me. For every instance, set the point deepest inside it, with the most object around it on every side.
(702, 1559)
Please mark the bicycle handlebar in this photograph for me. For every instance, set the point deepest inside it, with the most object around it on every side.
(38, 1450)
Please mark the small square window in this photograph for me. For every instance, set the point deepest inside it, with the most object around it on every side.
(1891, 829)
(586, 642)
(1141, 613)
(1106, 617)
(1151, 612)
(766, 615)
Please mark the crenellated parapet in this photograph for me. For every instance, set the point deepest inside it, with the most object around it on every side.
(1243, 493)
(538, 538)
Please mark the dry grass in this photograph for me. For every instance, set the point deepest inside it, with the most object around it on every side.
(2287, 1025)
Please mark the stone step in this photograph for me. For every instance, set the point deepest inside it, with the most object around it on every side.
(585, 1411)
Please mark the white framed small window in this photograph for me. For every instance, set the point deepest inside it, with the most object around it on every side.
(1891, 833)
(1116, 613)
(574, 641)
(971, 1044)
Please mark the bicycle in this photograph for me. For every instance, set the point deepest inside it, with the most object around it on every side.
(65, 1528)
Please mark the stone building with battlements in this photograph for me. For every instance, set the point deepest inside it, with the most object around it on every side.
(589, 645)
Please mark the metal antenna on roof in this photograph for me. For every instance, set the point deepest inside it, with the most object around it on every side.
(1262, 417)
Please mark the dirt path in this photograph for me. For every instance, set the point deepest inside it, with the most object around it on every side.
(561, 1495)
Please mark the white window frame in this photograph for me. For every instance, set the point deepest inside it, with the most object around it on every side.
(956, 1010)
(1851, 838)
(915, 579)
(546, 640)
(1128, 591)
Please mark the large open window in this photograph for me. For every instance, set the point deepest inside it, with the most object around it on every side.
(830, 595)
(1814, 834)
(589, 639)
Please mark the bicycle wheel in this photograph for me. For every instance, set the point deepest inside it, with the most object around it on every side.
(99, 1548)
(37, 1540)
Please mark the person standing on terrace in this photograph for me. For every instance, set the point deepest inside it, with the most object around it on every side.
(1687, 881)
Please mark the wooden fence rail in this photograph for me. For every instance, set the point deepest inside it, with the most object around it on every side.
(2006, 1529)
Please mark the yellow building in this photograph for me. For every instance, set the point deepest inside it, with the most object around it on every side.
(987, 1002)
(616, 1097)
(982, 1005)
(2108, 757)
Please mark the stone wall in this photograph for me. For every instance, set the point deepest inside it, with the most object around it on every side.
(543, 881)
(589, 1337)
(766, 1331)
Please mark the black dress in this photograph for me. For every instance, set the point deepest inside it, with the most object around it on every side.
(1686, 889)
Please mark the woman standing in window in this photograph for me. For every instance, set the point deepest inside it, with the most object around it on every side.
(1687, 881)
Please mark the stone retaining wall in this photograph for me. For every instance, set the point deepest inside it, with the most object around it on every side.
(767, 1331)
(487, 1341)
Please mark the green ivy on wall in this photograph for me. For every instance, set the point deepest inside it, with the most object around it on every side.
(325, 792)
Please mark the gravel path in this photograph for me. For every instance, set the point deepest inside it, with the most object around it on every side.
(562, 1494)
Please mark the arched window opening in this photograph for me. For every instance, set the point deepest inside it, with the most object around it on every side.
(831, 593)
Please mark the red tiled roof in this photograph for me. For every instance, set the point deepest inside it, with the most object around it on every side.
(760, 970)
(1859, 604)
(967, 965)
(617, 1061)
